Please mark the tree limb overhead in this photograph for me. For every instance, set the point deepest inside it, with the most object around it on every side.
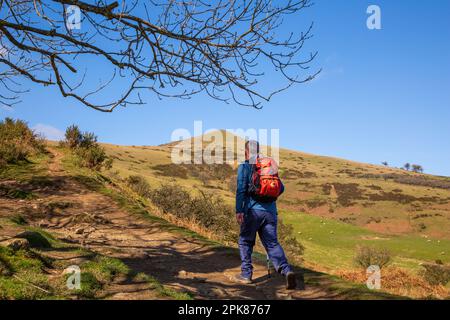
(105, 54)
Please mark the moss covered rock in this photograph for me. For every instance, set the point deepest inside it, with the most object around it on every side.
(35, 239)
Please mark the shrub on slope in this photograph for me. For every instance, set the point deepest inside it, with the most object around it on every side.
(18, 141)
(86, 148)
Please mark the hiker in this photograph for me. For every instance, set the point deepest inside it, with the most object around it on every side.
(256, 212)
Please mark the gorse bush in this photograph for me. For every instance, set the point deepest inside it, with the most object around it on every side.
(172, 199)
(436, 274)
(18, 141)
(93, 157)
(206, 210)
(139, 185)
(73, 136)
(215, 215)
(367, 256)
(85, 146)
(88, 140)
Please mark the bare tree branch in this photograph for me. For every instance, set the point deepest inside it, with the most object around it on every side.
(172, 48)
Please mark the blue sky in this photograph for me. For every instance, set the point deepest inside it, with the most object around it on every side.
(383, 95)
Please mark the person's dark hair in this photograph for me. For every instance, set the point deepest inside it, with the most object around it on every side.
(252, 146)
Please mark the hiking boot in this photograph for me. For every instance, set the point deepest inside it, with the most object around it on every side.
(241, 279)
(291, 281)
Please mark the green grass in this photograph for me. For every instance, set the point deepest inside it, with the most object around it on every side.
(26, 275)
(102, 270)
(11, 288)
(18, 219)
(163, 291)
(332, 244)
(89, 286)
(20, 260)
(14, 193)
(26, 170)
(97, 273)
(105, 269)
(25, 272)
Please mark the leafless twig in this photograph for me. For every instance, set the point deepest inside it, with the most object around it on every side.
(172, 48)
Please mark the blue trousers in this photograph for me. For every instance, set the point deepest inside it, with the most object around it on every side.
(265, 224)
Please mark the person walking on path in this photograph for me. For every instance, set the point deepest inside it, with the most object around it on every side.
(258, 187)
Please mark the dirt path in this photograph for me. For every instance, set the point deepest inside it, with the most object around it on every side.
(95, 221)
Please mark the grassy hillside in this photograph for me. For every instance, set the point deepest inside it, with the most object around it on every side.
(57, 206)
(330, 243)
(336, 204)
(54, 214)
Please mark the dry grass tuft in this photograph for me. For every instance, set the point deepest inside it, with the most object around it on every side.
(400, 282)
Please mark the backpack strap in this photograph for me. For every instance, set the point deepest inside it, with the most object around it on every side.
(249, 171)
(251, 168)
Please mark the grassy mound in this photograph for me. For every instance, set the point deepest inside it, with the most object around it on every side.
(23, 276)
(37, 239)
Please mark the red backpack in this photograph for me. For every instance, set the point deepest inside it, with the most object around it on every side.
(265, 184)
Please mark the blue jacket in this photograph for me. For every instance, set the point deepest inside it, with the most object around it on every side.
(244, 201)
